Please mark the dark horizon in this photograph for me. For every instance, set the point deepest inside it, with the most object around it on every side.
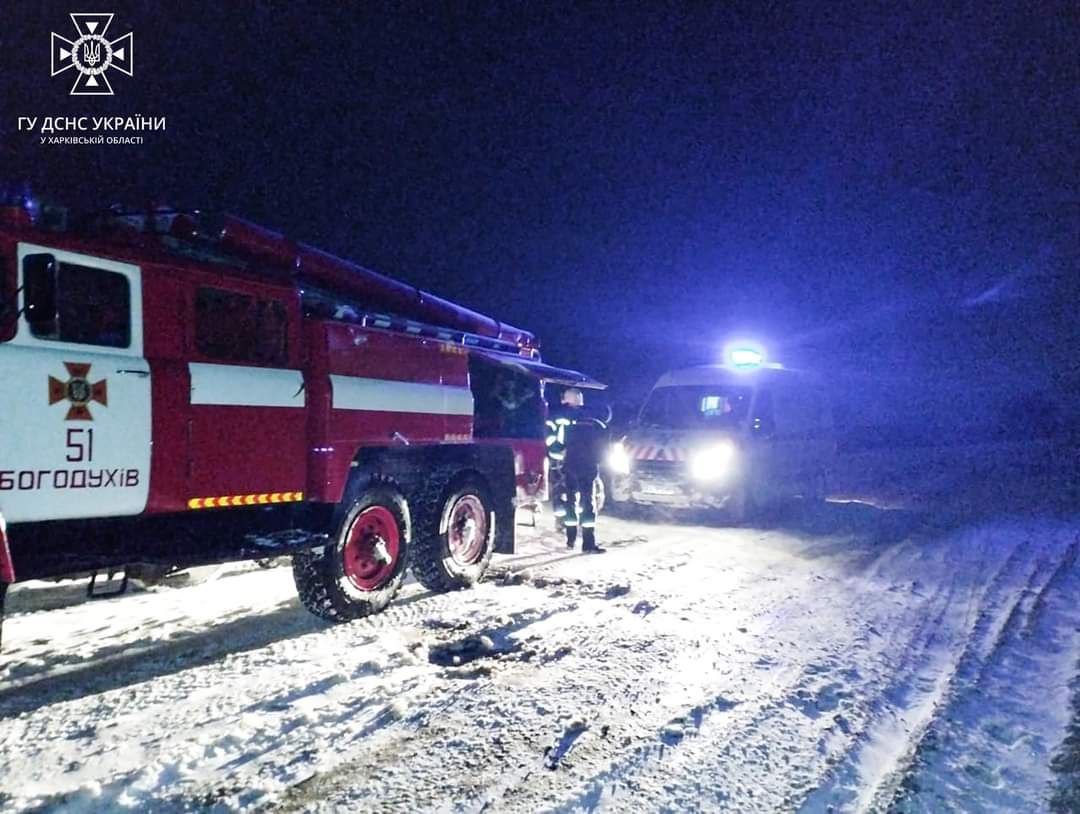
(886, 193)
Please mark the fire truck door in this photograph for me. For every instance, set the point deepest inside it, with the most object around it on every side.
(247, 432)
(76, 393)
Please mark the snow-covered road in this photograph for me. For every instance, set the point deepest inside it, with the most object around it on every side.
(851, 657)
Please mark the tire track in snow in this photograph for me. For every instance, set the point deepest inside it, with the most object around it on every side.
(416, 728)
(520, 736)
(910, 684)
(771, 781)
(725, 737)
(717, 715)
(974, 678)
(880, 759)
(217, 710)
(744, 719)
(1067, 563)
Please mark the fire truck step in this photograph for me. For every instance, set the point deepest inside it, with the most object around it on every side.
(111, 586)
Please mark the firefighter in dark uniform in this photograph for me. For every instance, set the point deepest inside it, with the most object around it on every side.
(574, 440)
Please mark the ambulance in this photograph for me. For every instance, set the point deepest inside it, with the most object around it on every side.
(741, 436)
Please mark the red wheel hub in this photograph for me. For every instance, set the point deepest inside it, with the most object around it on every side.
(467, 531)
(372, 548)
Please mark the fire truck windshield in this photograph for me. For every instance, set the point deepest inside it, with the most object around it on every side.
(696, 407)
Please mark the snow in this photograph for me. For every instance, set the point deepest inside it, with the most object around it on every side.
(916, 657)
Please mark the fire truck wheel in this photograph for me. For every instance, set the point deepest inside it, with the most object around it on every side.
(360, 572)
(457, 554)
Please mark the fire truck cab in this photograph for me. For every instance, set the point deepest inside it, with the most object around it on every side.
(180, 392)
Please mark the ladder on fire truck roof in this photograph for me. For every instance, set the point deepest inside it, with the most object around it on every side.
(330, 288)
(327, 283)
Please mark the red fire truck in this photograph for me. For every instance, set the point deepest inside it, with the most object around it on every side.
(179, 390)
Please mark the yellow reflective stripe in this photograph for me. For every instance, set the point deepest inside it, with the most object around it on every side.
(260, 499)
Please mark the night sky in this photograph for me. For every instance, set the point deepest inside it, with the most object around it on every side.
(885, 191)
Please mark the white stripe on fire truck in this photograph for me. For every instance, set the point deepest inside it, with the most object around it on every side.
(387, 395)
(242, 386)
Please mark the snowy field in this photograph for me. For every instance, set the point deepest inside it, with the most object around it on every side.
(911, 646)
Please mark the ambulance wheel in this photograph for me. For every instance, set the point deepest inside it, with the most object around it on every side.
(456, 553)
(360, 570)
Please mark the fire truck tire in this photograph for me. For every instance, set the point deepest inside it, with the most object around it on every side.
(455, 549)
(361, 571)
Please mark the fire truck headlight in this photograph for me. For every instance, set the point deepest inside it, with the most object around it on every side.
(618, 459)
(713, 463)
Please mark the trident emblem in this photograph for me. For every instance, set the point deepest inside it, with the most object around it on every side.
(92, 54)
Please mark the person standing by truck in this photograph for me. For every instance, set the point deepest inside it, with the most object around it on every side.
(574, 442)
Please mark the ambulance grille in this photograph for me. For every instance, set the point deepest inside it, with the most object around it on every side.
(658, 468)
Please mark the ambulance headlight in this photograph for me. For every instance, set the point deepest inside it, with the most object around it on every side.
(618, 459)
(712, 463)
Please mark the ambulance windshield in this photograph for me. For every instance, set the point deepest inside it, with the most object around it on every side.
(696, 407)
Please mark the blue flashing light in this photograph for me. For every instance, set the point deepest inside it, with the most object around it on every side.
(745, 358)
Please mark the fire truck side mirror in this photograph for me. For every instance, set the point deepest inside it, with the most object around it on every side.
(39, 292)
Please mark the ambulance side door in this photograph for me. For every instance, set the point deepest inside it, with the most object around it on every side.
(794, 437)
(76, 435)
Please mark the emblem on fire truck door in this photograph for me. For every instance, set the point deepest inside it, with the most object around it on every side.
(78, 392)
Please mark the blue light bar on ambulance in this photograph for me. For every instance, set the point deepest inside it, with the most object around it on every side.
(744, 357)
